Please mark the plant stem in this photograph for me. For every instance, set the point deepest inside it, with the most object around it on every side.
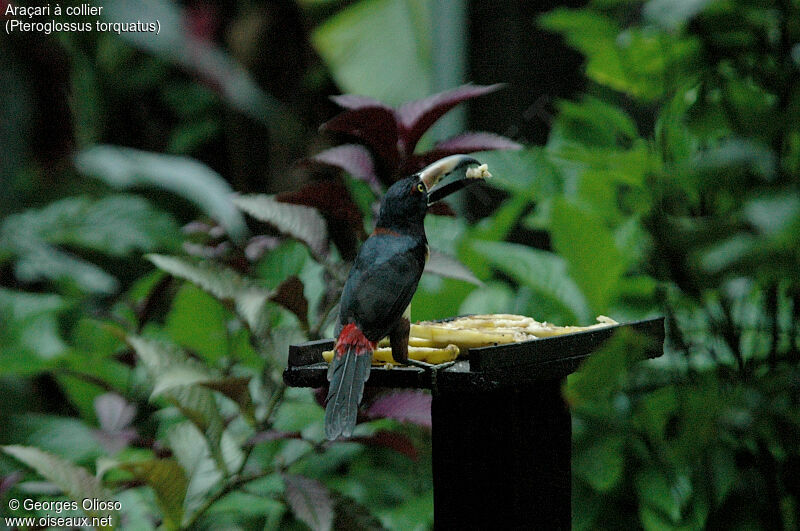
(236, 479)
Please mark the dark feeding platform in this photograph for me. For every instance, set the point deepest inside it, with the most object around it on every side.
(502, 433)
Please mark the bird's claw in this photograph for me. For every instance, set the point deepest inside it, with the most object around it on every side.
(429, 367)
(421, 364)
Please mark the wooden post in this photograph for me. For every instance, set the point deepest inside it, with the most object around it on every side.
(501, 459)
(501, 430)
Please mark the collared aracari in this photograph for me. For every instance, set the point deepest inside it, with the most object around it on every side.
(377, 295)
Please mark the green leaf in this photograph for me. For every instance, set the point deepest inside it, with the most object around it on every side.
(237, 389)
(555, 295)
(125, 168)
(65, 437)
(602, 463)
(635, 61)
(177, 375)
(195, 402)
(191, 450)
(528, 172)
(736, 155)
(379, 48)
(590, 251)
(593, 122)
(655, 411)
(310, 501)
(199, 322)
(176, 44)
(240, 504)
(116, 225)
(353, 516)
(189, 374)
(168, 481)
(593, 35)
(656, 491)
(285, 260)
(298, 221)
(96, 337)
(75, 481)
(604, 372)
(29, 331)
(411, 514)
(774, 213)
(191, 136)
(437, 297)
(671, 14)
(495, 297)
(84, 374)
(247, 298)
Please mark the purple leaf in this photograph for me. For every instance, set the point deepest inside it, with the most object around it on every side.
(391, 440)
(466, 143)
(114, 412)
(375, 126)
(330, 197)
(6, 482)
(416, 117)
(258, 245)
(115, 415)
(296, 220)
(447, 266)
(441, 209)
(352, 158)
(196, 227)
(290, 295)
(406, 406)
(355, 102)
(272, 435)
(310, 501)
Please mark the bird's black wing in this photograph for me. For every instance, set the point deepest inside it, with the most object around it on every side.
(381, 283)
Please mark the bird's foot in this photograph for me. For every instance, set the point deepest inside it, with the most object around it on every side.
(429, 367)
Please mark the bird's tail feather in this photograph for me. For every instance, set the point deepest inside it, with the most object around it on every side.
(347, 373)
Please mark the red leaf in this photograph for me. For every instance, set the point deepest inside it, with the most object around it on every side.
(6, 482)
(375, 126)
(466, 143)
(202, 21)
(330, 197)
(356, 102)
(449, 267)
(416, 117)
(114, 412)
(290, 295)
(272, 435)
(441, 209)
(406, 406)
(258, 245)
(391, 440)
(310, 501)
(352, 158)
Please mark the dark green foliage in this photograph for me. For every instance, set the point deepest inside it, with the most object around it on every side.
(670, 187)
(695, 211)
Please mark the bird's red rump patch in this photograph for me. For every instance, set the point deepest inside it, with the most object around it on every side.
(383, 231)
(351, 336)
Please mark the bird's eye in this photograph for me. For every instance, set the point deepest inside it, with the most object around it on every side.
(420, 188)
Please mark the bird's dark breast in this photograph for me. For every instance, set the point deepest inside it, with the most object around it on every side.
(382, 282)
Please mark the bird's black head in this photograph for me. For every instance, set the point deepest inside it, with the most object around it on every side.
(405, 204)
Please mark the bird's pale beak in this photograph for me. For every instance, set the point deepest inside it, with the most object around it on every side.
(433, 174)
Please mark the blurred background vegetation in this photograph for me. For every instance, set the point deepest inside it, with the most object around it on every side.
(658, 176)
